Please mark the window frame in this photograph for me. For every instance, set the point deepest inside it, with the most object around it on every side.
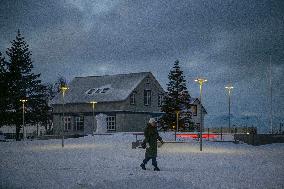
(133, 98)
(160, 100)
(111, 124)
(77, 125)
(67, 123)
(147, 98)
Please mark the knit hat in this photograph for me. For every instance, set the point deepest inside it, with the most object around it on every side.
(152, 120)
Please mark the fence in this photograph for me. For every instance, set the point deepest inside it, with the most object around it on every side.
(259, 139)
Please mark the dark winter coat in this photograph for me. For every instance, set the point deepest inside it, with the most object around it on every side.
(151, 136)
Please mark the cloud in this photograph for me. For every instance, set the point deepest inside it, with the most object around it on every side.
(224, 41)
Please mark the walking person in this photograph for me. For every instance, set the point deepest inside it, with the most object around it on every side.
(150, 143)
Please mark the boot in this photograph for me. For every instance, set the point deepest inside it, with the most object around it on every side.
(156, 169)
(143, 166)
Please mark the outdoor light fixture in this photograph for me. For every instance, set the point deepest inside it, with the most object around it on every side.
(200, 81)
(23, 102)
(177, 113)
(63, 89)
(229, 88)
(93, 106)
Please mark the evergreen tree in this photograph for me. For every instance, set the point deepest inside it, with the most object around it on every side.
(53, 90)
(3, 91)
(177, 97)
(23, 84)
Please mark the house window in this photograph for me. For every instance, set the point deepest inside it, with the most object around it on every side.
(194, 110)
(104, 90)
(147, 97)
(97, 90)
(132, 98)
(111, 123)
(148, 80)
(79, 123)
(160, 100)
(67, 123)
(91, 91)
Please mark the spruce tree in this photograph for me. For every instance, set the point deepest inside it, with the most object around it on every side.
(23, 84)
(3, 91)
(176, 98)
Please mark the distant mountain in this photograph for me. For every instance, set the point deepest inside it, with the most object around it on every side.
(262, 123)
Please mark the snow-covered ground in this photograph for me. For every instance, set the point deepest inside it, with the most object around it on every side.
(108, 161)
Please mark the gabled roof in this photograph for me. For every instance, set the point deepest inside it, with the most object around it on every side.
(193, 100)
(101, 88)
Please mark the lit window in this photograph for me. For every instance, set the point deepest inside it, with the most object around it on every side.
(132, 98)
(111, 123)
(147, 97)
(79, 123)
(160, 100)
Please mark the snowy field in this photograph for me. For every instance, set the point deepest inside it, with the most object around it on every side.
(110, 162)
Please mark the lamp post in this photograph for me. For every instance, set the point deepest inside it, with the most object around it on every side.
(229, 89)
(63, 88)
(23, 102)
(93, 106)
(177, 112)
(200, 81)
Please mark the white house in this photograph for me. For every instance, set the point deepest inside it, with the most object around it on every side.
(128, 101)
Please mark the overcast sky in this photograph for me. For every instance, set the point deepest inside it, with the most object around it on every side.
(222, 40)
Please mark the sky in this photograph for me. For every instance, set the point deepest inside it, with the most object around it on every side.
(230, 41)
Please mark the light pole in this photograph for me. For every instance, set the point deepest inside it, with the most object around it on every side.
(63, 90)
(23, 102)
(177, 112)
(229, 89)
(93, 106)
(200, 81)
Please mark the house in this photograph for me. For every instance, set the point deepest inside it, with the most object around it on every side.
(127, 100)
(190, 119)
(196, 108)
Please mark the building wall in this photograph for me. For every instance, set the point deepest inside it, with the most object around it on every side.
(131, 122)
(155, 88)
(128, 117)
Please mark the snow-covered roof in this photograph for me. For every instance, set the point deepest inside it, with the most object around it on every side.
(101, 88)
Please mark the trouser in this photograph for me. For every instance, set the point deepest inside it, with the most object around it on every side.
(154, 161)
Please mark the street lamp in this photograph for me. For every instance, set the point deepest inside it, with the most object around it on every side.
(200, 81)
(229, 88)
(63, 89)
(23, 102)
(93, 106)
(177, 112)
